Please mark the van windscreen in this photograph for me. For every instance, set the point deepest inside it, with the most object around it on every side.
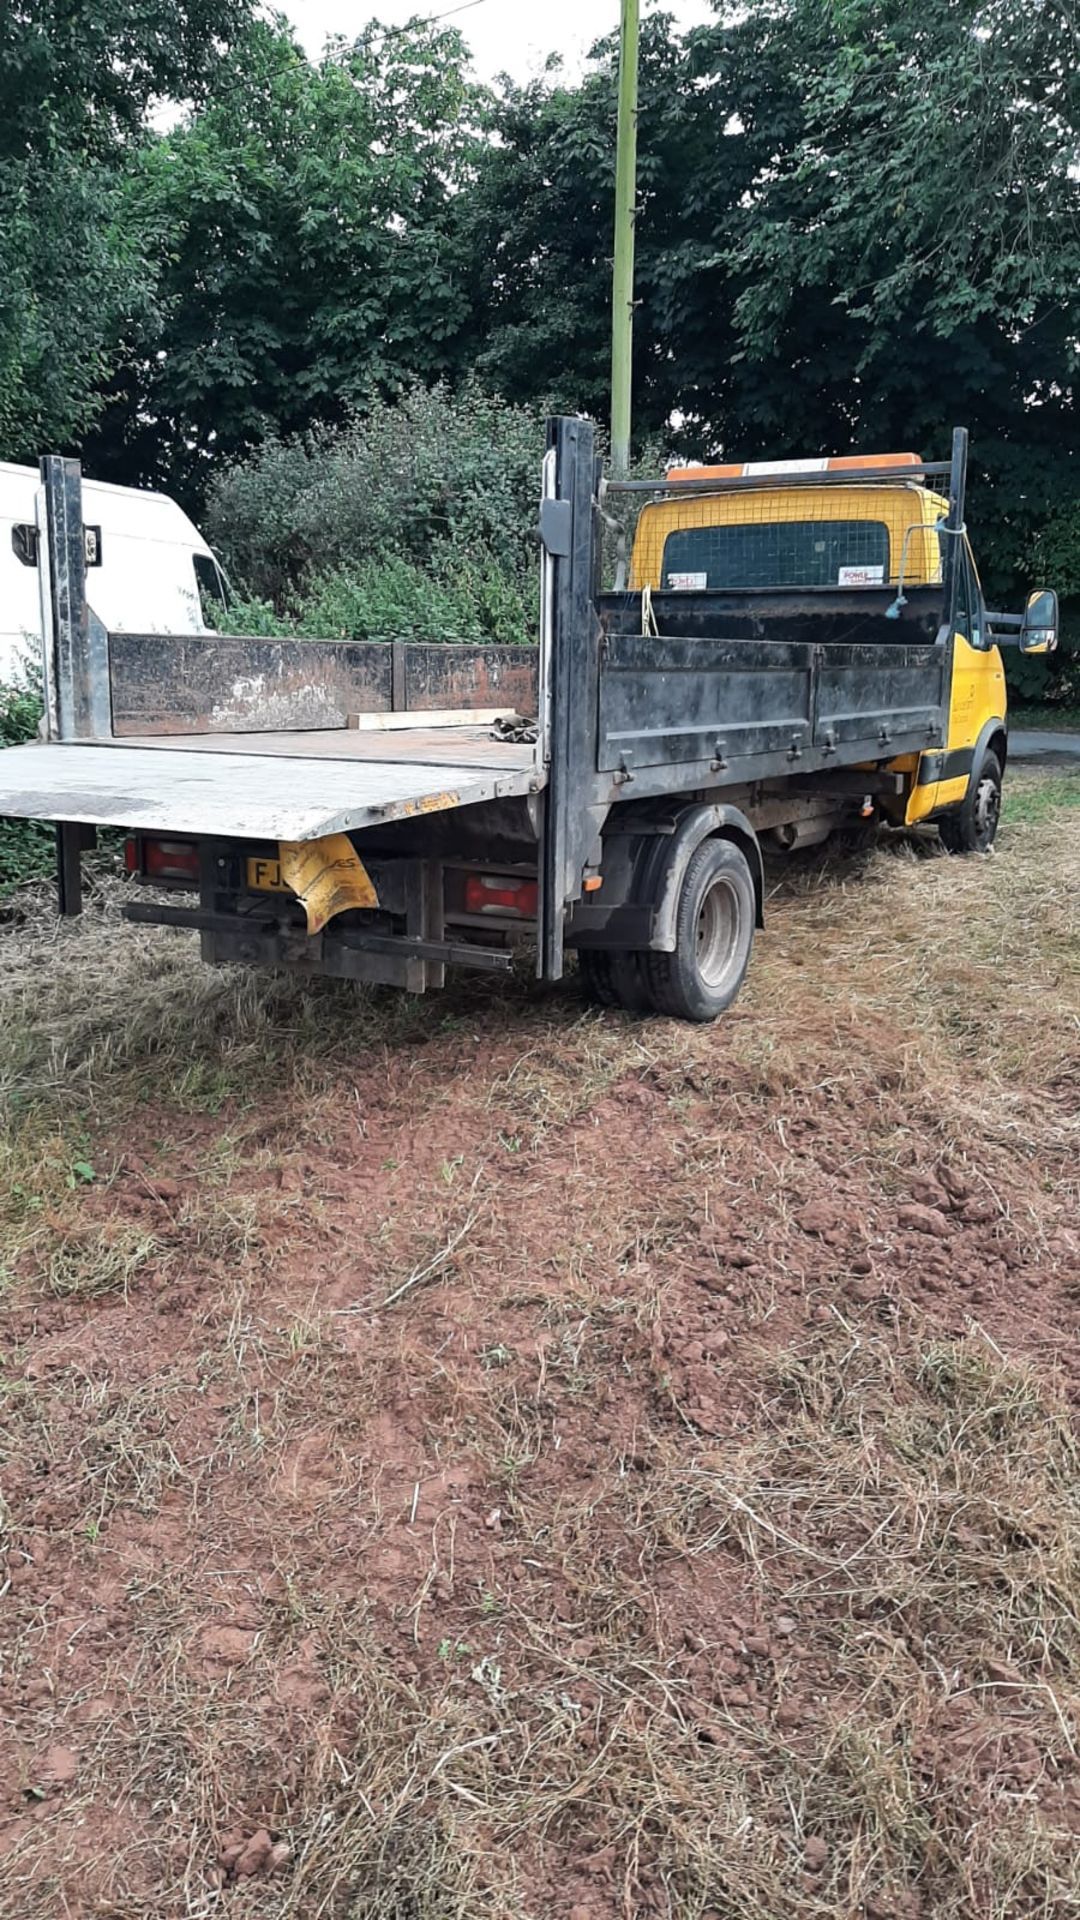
(211, 590)
(764, 554)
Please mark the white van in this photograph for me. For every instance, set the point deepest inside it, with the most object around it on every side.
(155, 572)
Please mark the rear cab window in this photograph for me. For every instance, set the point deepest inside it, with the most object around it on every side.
(763, 554)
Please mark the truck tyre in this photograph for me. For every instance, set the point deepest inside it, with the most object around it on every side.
(972, 828)
(714, 932)
(615, 979)
(595, 966)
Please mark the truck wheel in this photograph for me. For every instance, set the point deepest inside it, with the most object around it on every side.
(972, 828)
(615, 979)
(714, 932)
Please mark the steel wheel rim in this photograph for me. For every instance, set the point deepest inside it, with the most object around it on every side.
(987, 811)
(718, 932)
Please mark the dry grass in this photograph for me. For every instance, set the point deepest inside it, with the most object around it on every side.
(921, 1509)
(821, 1661)
(912, 1510)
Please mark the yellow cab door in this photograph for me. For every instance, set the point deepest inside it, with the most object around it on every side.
(977, 696)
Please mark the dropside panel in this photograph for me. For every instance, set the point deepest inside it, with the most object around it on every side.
(830, 678)
(870, 697)
(667, 701)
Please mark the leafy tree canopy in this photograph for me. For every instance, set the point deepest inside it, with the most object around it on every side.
(300, 225)
(927, 221)
(859, 224)
(93, 69)
(75, 86)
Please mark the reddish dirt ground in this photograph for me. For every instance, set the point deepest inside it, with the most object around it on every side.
(501, 1471)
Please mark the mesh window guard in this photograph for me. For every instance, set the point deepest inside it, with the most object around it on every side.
(824, 553)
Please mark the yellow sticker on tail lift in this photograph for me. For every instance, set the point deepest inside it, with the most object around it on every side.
(327, 876)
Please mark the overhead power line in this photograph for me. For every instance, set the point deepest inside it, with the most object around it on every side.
(466, 6)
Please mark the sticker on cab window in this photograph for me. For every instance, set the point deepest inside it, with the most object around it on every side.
(861, 577)
(688, 582)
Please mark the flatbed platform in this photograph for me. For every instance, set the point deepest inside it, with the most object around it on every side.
(289, 786)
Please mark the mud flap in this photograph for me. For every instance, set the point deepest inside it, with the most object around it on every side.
(327, 876)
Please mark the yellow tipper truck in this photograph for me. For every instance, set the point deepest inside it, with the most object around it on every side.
(798, 649)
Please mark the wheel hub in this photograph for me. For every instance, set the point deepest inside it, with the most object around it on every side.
(717, 931)
(987, 810)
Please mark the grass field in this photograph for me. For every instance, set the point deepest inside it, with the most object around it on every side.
(483, 1459)
(1056, 719)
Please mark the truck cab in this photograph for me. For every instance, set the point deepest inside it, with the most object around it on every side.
(874, 528)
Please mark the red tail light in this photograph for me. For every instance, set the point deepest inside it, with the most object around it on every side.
(501, 893)
(163, 859)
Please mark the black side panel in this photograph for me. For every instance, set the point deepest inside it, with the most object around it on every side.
(664, 701)
(574, 670)
(765, 681)
(874, 696)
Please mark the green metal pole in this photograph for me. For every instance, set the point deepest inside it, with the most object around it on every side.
(622, 294)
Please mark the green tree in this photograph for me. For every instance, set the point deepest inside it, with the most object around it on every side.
(927, 218)
(76, 83)
(858, 226)
(92, 70)
(300, 223)
(69, 277)
(714, 105)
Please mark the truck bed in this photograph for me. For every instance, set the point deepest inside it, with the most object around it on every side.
(269, 786)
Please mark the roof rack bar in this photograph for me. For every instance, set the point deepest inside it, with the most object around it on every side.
(753, 483)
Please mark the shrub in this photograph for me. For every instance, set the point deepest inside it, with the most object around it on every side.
(457, 598)
(417, 520)
(26, 848)
(20, 715)
(444, 484)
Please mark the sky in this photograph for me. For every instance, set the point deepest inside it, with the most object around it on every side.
(505, 35)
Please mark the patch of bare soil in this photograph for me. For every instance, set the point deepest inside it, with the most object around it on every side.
(490, 1458)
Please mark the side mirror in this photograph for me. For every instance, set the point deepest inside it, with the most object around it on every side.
(1039, 631)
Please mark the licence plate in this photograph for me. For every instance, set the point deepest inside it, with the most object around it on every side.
(264, 876)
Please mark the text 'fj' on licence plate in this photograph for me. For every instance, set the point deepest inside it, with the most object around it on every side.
(264, 876)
